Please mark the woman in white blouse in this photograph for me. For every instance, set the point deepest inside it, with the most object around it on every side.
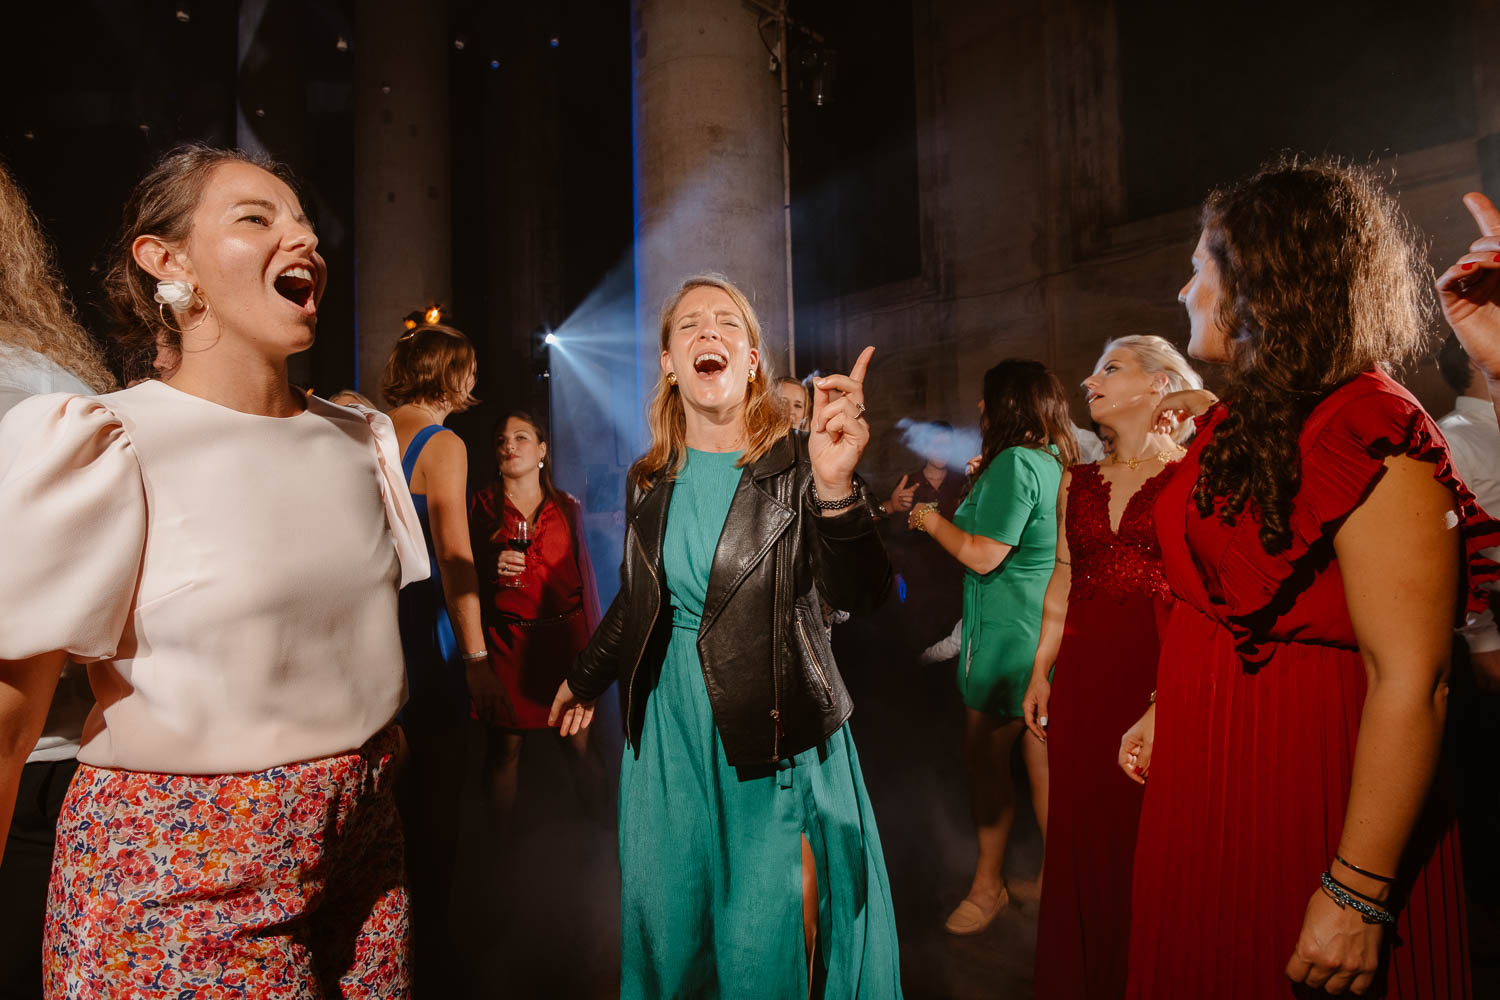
(224, 553)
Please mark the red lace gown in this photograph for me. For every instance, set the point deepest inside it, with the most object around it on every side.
(1102, 682)
(1259, 693)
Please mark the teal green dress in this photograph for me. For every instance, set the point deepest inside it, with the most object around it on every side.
(1015, 502)
(711, 855)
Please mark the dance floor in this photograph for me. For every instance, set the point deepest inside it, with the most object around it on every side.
(538, 915)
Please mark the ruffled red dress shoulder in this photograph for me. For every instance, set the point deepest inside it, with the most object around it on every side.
(1297, 595)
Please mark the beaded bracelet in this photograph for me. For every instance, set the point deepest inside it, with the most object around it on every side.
(1368, 912)
(474, 657)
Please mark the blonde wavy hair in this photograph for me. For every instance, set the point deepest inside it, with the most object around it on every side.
(766, 418)
(35, 312)
(1157, 356)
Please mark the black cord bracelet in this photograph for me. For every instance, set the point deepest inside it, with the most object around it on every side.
(1368, 912)
(1383, 904)
(840, 504)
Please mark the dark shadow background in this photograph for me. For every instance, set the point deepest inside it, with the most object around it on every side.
(541, 143)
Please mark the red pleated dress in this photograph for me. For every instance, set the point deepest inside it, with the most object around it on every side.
(1259, 693)
(1118, 603)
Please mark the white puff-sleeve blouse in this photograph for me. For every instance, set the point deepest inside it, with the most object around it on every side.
(229, 578)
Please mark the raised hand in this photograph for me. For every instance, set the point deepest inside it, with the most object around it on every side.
(1469, 291)
(901, 497)
(1184, 404)
(838, 430)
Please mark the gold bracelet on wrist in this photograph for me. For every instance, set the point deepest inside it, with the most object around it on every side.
(920, 521)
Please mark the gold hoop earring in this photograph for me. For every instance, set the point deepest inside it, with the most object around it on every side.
(161, 308)
(671, 378)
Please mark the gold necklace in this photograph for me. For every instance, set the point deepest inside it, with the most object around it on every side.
(1132, 463)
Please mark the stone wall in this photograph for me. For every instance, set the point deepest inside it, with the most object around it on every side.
(1026, 247)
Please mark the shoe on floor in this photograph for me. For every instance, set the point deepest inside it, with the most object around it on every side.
(970, 918)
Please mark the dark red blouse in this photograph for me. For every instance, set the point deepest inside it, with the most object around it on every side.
(557, 580)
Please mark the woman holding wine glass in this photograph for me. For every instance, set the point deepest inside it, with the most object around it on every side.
(540, 603)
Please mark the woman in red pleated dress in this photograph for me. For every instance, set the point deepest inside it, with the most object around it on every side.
(1096, 665)
(1295, 834)
(540, 603)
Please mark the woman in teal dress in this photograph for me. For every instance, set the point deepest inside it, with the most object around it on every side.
(750, 864)
(1005, 535)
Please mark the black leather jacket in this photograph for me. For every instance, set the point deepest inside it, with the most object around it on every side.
(766, 658)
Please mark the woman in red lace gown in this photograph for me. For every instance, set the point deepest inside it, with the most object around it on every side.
(1317, 540)
(1096, 665)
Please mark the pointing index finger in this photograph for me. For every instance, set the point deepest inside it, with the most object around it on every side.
(857, 373)
(1484, 212)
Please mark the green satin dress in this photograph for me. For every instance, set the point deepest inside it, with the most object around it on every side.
(711, 855)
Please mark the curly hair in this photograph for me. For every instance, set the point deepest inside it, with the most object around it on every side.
(1024, 406)
(162, 205)
(1322, 278)
(35, 312)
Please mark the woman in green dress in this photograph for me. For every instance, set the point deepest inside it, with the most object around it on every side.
(1005, 535)
(749, 860)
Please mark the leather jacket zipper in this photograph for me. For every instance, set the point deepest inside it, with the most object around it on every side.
(812, 654)
(656, 610)
(775, 666)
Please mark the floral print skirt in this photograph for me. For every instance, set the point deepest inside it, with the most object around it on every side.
(284, 883)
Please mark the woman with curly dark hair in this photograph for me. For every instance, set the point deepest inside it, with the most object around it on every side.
(1294, 832)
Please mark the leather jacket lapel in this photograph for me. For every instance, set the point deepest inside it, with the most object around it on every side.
(650, 525)
(755, 523)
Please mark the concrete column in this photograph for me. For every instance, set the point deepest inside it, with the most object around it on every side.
(708, 169)
(402, 178)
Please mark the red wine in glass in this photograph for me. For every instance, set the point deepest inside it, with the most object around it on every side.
(519, 541)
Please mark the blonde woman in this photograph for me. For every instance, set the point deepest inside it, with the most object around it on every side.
(741, 779)
(1101, 614)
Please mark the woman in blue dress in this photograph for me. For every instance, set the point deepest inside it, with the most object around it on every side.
(430, 375)
(749, 860)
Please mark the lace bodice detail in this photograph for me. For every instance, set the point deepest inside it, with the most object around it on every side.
(1108, 563)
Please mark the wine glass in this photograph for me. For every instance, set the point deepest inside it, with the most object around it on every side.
(519, 541)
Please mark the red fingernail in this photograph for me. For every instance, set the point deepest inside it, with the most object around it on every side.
(1497, 258)
(1468, 266)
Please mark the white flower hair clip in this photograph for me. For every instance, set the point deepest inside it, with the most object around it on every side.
(180, 295)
